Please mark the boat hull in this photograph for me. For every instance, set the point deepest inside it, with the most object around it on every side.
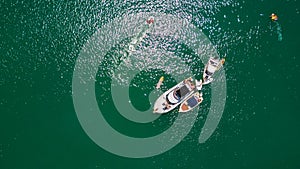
(160, 104)
(185, 106)
(209, 70)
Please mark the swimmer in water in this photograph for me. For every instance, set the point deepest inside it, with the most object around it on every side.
(274, 17)
(277, 26)
(149, 21)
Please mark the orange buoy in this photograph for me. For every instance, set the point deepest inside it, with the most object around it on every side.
(274, 17)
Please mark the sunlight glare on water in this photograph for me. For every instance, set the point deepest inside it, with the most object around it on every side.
(159, 49)
(61, 29)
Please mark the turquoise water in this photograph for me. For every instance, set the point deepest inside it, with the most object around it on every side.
(41, 40)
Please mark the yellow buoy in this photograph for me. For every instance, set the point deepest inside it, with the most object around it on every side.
(161, 79)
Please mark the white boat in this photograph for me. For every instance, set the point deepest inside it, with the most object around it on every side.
(211, 67)
(191, 102)
(174, 96)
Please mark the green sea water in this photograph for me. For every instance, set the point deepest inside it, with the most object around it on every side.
(41, 40)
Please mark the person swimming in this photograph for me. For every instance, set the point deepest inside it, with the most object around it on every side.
(277, 26)
(150, 20)
(274, 17)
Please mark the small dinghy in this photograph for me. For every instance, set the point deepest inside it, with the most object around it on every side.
(174, 96)
(191, 102)
(211, 67)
